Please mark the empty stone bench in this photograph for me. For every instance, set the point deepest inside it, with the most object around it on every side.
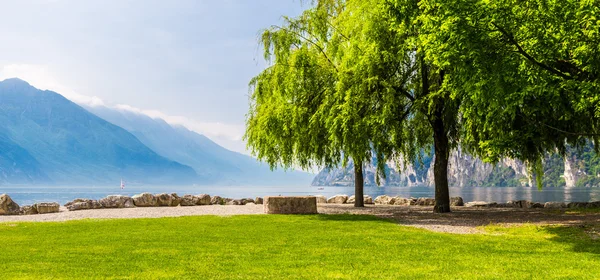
(290, 205)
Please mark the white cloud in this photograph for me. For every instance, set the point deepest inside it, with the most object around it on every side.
(41, 77)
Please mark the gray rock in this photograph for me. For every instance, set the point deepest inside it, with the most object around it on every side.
(233, 202)
(117, 201)
(555, 205)
(247, 200)
(28, 210)
(321, 199)
(83, 204)
(175, 200)
(337, 199)
(577, 205)
(366, 199)
(164, 199)
(400, 201)
(290, 205)
(145, 200)
(476, 204)
(385, 200)
(456, 201)
(188, 200)
(535, 205)
(258, 200)
(217, 200)
(46, 207)
(8, 206)
(204, 199)
(594, 204)
(425, 201)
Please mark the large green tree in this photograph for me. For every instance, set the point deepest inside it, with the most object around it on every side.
(529, 72)
(318, 104)
(348, 79)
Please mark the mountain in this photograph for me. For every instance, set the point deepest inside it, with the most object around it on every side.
(47, 139)
(211, 161)
(577, 168)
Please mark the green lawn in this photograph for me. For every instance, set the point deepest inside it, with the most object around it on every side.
(285, 247)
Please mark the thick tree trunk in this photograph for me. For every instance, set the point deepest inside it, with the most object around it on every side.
(359, 200)
(440, 167)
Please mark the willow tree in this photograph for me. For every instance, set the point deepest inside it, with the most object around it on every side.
(348, 79)
(319, 103)
(529, 72)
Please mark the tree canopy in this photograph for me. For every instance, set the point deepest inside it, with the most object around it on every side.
(391, 78)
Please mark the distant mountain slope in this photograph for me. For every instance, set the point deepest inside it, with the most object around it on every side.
(60, 139)
(209, 159)
(17, 166)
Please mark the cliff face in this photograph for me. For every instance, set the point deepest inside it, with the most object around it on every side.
(574, 169)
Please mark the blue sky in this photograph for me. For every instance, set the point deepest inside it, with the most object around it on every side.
(186, 61)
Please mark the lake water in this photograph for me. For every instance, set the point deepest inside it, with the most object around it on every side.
(25, 195)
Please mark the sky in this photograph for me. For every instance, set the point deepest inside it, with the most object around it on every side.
(186, 61)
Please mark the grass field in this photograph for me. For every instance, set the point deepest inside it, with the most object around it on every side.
(289, 247)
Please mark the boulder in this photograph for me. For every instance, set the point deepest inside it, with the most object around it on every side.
(28, 210)
(247, 200)
(337, 199)
(518, 203)
(204, 199)
(164, 199)
(83, 204)
(46, 207)
(145, 200)
(366, 199)
(477, 204)
(216, 200)
(401, 201)
(594, 204)
(291, 204)
(321, 199)
(117, 201)
(8, 206)
(258, 200)
(456, 201)
(425, 201)
(413, 201)
(384, 199)
(534, 205)
(555, 205)
(175, 200)
(234, 202)
(188, 200)
(577, 204)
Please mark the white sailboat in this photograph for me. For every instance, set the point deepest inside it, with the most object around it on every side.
(122, 184)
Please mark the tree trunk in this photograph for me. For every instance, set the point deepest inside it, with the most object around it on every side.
(440, 166)
(359, 199)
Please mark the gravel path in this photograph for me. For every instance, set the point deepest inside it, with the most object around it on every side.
(138, 212)
(462, 220)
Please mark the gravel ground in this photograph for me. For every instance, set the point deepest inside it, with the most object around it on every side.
(138, 212)
(461, 220)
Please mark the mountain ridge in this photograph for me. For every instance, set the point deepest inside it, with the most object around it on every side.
(72, 145)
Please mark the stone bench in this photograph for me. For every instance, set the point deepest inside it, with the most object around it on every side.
(290, 205)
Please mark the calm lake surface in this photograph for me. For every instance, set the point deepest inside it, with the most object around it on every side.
(25, 195)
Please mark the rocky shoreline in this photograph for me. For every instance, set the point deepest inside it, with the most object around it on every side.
(9, 207)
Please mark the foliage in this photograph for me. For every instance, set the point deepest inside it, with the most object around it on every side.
(288, 247)
(529, 71)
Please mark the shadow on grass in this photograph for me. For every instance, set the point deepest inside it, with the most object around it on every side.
(582, 238)
(352, 218)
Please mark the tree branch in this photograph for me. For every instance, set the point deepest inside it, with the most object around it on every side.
(520, 50)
